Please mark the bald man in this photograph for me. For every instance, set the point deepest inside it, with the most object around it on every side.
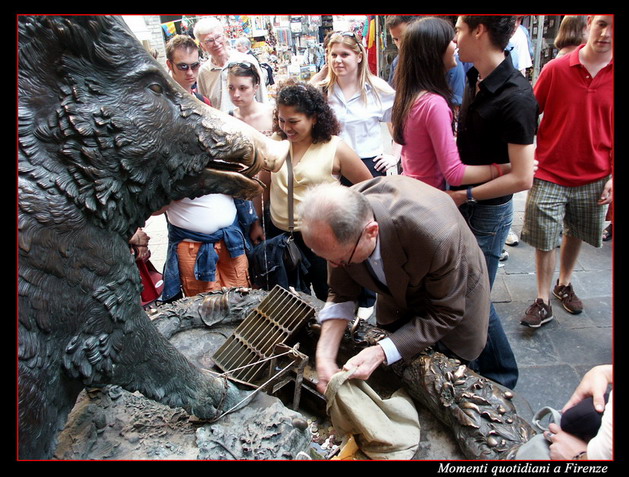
(408, 242)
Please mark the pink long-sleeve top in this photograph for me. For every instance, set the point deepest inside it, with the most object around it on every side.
(430, 153)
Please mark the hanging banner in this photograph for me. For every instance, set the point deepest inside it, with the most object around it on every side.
(246, 24)
(372, 53)
(371, 38)
(169, 28)
(185, 24)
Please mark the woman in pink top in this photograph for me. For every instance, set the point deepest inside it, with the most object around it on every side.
(422, 118)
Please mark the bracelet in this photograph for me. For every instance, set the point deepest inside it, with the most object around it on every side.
(498, 169)
(580, 456)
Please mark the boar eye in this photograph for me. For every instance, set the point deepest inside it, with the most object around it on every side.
(156, 88)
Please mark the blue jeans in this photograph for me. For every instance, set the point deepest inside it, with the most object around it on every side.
(490, 224)
(497, 361)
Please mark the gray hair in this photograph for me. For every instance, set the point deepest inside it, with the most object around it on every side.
(243, 41)
(206, 25)
(345, 210)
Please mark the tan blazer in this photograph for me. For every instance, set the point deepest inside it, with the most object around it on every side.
(438, 288)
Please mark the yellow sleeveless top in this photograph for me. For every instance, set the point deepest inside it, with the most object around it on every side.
(315, 167)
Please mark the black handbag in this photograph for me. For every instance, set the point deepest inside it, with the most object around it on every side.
(292, 254)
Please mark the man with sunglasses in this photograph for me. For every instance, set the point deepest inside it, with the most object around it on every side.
(211, 222)
(213, 73)
(182, 60)
(403, 239)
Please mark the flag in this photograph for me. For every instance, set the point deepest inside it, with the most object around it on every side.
(371, 38)
(185, 23)
(169, 28)
(370, 44)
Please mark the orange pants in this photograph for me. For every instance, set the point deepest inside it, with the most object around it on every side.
(230, 272)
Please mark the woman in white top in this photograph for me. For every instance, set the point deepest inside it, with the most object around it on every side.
(361, 101)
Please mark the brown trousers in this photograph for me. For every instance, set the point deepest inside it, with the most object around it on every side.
(230, 272)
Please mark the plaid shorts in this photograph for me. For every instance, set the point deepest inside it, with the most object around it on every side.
(551, 209)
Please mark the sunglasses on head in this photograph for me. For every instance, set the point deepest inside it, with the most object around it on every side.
(187, 66)
(242, 64)
(245, 65)
(349, 34)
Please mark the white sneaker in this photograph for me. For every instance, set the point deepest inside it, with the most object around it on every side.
(364, 313)
(512, 239)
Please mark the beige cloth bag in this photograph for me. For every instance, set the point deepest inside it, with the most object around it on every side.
(386, 429)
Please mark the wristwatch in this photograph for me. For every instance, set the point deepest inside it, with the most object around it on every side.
(470, 198)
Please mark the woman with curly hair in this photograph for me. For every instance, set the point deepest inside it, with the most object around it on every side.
(317, 154)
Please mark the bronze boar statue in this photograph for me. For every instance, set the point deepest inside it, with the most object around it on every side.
(105, 138)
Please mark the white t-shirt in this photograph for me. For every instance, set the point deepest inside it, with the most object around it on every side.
(520, 53)
(205, 214)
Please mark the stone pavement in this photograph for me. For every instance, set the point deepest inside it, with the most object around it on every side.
(552, 358)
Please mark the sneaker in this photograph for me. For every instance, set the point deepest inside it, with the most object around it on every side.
(537, 314)
(504, 256)
(512, 239)
(569, 300)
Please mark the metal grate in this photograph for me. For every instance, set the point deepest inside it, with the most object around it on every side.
(279, 316)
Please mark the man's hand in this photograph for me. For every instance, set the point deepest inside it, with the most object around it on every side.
(608, 192)
(458, 196)
(140, 242)
(256, 234)
(325, 370)
(327, 348)
(365, 362)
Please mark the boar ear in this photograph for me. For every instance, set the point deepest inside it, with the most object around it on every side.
(47, 42)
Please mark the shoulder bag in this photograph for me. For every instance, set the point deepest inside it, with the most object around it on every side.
(272, 259)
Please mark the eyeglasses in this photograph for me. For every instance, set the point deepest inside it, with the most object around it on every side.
(209, 41)
(344, 263)
(188, 66)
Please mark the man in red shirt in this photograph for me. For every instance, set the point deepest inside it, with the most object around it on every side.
(573, 184)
